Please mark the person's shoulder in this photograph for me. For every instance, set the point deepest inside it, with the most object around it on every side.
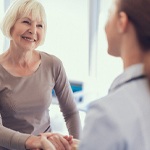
(50, 57)
(116, 107)
(112, 102)
(2, 61)
(104, 101)
(1, 58)
(100, 114)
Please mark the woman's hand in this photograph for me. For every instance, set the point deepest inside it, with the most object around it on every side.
(55, 137)
(38, 143)
(59, 141)
(51, 141)
(46, 144)
(74, 145)
(33, 142)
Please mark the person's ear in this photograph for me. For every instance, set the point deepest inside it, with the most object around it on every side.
(122, 22)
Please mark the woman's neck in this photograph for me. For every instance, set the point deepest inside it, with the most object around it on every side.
(20, 64)
(19, 58)
(131, 57)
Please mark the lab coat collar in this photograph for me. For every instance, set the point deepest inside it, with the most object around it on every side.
(129, 73)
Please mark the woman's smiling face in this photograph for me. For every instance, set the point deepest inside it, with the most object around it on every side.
(27, 33)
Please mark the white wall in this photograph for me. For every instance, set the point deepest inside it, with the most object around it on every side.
(108, 67)
(67, 35)
(1, 16)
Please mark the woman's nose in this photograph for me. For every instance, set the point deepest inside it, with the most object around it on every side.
(32, 29)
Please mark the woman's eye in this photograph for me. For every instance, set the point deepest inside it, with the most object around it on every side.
(39, 25)
(27, 22)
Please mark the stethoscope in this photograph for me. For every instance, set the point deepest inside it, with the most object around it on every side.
(130, 80)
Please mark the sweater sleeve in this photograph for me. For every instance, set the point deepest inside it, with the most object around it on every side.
(12, 139)
(66, 99)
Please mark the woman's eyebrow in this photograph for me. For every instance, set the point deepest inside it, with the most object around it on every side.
(30, 19)
(26, 18)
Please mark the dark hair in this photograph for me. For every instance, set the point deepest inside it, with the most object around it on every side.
(138, 12)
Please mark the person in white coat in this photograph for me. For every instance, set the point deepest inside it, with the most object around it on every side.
(120, 121)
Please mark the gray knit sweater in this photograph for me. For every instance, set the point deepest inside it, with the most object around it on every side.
(25, 102)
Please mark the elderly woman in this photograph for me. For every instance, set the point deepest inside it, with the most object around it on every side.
(27, 78)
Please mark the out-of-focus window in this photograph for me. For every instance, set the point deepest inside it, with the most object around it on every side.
(108, 66)
(67, 35)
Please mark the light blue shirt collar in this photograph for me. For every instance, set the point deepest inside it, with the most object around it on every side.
(129, 73)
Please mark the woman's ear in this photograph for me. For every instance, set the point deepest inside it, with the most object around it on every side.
(122, 22)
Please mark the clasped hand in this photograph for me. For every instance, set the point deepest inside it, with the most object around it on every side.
(51, 141)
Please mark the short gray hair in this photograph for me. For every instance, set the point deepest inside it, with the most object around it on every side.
(19, 9)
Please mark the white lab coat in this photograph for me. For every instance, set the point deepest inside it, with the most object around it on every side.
(121, 120)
